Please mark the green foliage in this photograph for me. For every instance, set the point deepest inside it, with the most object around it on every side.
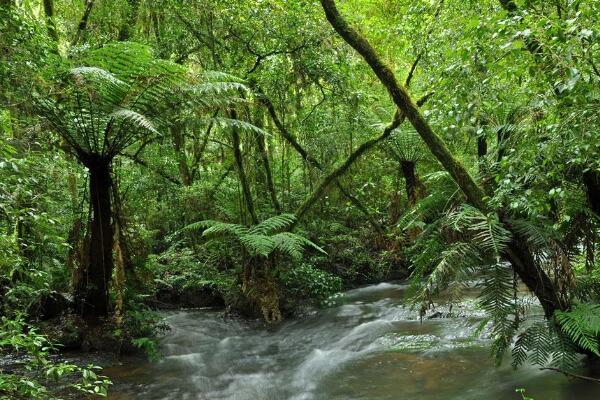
(524, 122)
(307, 282)
(521, 391)
(581, 324)
(542, 345)
(104, 111)
(182, 270)
(38, 377)
(261, 239)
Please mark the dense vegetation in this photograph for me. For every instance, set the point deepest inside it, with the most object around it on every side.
(263, 155)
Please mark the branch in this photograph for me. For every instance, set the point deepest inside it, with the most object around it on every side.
(572, 375)
(341, 170)
(143, 163)
(83, 22)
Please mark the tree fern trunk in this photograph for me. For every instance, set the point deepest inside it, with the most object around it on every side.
(591, 180)
(415, 190)
(239, 161)
(92, 293)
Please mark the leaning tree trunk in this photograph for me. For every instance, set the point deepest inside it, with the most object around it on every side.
(92, 291)
(517, 254)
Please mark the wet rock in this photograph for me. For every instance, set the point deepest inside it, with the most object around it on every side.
(52, 305)
(437, 314)
(66, 331)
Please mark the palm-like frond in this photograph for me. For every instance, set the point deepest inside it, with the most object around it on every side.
(230, 123)
(134, 118)
(212, 228)
(293, 244)
(99, 75)
(582, 325)
(405, 144)
(259, 240)
(488, 232)
(273, 224)
(106, 104)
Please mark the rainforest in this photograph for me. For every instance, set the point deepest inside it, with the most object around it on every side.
(300, 199)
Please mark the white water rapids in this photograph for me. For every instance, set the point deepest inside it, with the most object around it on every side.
(368, 346)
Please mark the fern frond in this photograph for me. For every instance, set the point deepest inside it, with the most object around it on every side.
(454, 260)
(293, 245)
(215, 88)
(538, 235)
(213, 229)
(582, 325)
(83, 74)
(229, 123)
(273, 224)
(134, 118)
(257, 244)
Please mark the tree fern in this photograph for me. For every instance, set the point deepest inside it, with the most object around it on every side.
(260, 239)
(406, 145)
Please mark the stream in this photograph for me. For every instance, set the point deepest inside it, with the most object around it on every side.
(369, 345)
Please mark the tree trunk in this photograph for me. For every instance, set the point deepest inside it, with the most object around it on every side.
(405, 103)
(262, 149)
(591, 180)
(239, 161)
(130, 21)
(414, 187)
(503, 135)
(82, 27)
(92, 293)
(50, 25)
(345, 166)
(179, 147)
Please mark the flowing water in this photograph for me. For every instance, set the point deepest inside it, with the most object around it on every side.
(367, 346)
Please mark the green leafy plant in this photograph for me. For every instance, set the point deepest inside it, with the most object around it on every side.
(581, 324)
(39, 377)
(261, 239)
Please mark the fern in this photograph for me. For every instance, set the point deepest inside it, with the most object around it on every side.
(542, 344)
(273, 224)
(582, 325)
(497, 300)
(406, 145)
(260, 239)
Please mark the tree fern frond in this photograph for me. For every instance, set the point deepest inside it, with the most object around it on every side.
(453, 260)
(216, 88)
(229, 123)
(406, 145)
(135, 118)
(273, 224)
(538, 235)
(216, 228)
(582, 325)
(292, 244)
(257, 244)
(84, 72)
